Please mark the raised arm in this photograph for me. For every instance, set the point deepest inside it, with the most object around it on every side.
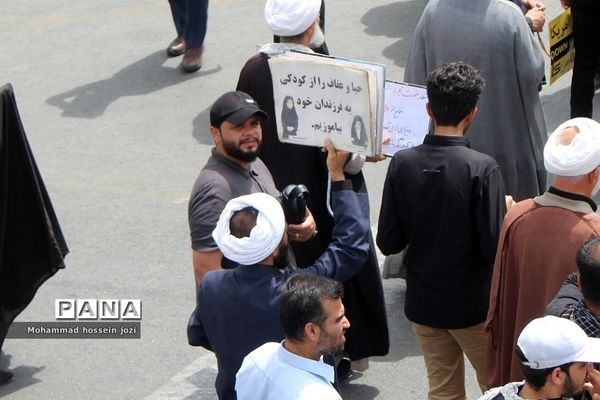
(349, 247)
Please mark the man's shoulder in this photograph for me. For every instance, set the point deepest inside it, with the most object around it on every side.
(480, 157)
(457, 154)
(259, 60)
(529, 211)
(265, 351)
(569, 208)
(409, 154)
(214, 169)
(482, 161)
(501, 18)
(210, 176)
(215, 179)
(210, 184)
(215, 285)
(503, 8)
(244, 280)
(508, 8)
(592, 217)
(507, 392)
(216, 278)
(519, 209)
(261, 357)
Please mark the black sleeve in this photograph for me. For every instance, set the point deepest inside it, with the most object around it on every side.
(568, 294)
(490, 211)
(390, 234)
(195, 330)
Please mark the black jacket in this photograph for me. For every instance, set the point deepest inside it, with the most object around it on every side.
(32, 247)
(446, 203)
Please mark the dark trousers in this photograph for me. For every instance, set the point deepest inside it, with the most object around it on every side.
(190, 18)
(586, 31)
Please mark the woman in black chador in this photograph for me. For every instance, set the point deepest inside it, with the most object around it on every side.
(289, 117)
(359, 133)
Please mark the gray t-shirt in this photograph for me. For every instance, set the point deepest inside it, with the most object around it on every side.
(220, 181)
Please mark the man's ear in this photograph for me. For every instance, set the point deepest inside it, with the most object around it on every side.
(471, 115)
(555, 377)
(429, 112)
(312, 332)
(309, 31)
(596, 174)
(216, 134)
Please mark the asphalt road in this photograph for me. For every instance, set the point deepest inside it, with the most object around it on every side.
(119, 134)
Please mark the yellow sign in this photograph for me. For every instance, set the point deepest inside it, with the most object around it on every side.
(562, 50)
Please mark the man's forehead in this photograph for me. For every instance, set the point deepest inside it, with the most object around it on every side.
(333, 306)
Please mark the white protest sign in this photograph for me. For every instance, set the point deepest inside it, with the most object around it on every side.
(405, 118)
(316, 100)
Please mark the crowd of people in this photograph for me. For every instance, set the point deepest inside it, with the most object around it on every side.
(488, 245)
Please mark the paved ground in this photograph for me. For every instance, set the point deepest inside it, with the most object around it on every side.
(119, 135)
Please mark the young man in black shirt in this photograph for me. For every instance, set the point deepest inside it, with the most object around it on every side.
(446, 203)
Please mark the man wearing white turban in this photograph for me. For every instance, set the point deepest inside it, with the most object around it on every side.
(539, 241)
(297, 23)
(232, 170)
(237, 309)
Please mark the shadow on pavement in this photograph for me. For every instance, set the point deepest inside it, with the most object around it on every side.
(204, 380)
(23, 376)
(357, 391)
(395, 20)
(142, 77)
(556, 107)
(201, 126)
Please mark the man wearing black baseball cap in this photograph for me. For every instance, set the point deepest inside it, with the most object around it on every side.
(232, 170)
(235, 108)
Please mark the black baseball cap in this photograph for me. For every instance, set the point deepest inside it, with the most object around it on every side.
(235, 108)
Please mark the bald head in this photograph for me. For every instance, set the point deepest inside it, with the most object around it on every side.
(242, 222)
(573, 149)
(566, 136)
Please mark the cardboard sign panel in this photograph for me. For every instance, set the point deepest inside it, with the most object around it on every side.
(562, 48)
(405, 118)
(318, 98)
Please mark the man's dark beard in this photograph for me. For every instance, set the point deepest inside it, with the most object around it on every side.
(238, 154)
(282, 260)
(570, 390)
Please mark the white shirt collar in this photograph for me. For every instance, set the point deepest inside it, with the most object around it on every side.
(315, 367)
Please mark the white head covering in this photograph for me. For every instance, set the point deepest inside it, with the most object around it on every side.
(551, 341)
(291, 17)
(580, 156)
(264, 237)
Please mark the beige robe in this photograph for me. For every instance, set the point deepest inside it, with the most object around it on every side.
(537, 250)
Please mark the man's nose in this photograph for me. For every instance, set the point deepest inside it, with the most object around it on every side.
(346, 323)
(589, 367)
(251, 130)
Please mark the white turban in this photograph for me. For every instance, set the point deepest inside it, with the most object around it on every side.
(264, 237)
(291, 17)
(578, 157)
